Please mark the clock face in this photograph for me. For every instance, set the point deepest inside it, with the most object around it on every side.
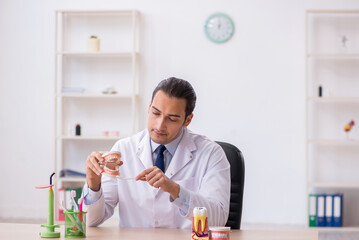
(219, 28)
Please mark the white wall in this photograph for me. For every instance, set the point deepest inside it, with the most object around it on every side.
(250, 92)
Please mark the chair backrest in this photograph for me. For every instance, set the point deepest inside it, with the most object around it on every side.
(236, 161)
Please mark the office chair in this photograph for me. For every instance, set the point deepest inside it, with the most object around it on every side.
(236, 161)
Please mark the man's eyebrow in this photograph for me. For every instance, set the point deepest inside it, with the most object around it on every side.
(156, 108)
(174, 115)
(170, 115)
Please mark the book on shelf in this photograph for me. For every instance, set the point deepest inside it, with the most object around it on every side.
(329, 221)
(312, 210)
(61, 215)
(71, 173)
(320, 210)
(325, 210)
(337, 210)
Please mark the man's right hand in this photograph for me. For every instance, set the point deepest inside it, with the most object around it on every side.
(94, 170)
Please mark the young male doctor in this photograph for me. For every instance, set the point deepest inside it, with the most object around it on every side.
(195, 171)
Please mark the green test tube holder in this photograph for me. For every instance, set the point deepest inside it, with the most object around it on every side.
(50, 226)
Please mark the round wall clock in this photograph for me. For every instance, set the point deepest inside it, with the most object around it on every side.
(219, 28)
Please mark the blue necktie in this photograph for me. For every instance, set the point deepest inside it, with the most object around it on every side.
(160, 160)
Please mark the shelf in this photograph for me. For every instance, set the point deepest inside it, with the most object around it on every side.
(334, 99)
(71, 179)
(331, 11)
(334, 142)
(125, 12)
(94, 95)
(80, 78)
(332, 63)
(333, 55)
(97, 54)
(81, 138)
(335, 229)
(334, 184)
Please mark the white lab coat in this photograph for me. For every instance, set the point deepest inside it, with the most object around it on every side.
(199, 165)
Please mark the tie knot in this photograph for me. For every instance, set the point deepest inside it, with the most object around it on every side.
(161, 149)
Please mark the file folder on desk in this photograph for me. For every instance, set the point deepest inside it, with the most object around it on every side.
(329, 220)
(321, 210)
(337, 209)
(312, 210)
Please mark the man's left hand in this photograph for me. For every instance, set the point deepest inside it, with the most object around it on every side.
(156, 178)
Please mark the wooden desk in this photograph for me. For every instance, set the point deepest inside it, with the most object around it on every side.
(9, 231)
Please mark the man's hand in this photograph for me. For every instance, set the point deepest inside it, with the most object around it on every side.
(93, 170)
(156, 178)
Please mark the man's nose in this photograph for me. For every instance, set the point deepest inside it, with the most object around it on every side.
(161, 123)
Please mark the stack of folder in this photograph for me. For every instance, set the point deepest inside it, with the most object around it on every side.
(325, 210)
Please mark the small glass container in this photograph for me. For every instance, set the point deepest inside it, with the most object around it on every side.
(75, 224)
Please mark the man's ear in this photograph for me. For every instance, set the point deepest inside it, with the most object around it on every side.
(188, 120)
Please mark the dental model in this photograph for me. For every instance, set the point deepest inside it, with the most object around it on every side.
(112, 163)
(219, 233)
(200, 223)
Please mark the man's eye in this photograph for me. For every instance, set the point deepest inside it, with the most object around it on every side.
(156, 113)
(172, 120)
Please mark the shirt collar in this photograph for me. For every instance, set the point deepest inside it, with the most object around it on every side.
(171, 147)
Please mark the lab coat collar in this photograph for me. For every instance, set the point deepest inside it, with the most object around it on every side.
(144, 151)
(181, 158)
(183, 154)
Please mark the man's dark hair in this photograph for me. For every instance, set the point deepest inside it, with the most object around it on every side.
(178, 88)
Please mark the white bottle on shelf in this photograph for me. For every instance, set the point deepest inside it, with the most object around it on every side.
(93, 44)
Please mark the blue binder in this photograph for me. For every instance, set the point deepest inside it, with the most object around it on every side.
(337, 209)
(321, 210)
(329, 219)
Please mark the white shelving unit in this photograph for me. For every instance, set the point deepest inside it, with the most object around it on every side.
(332, 62)
(115, 65)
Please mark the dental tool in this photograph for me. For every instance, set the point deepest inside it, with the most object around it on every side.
(122, 178)
(73, 195)
(50, 226)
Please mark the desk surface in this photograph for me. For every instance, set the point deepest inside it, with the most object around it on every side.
(10, 231)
